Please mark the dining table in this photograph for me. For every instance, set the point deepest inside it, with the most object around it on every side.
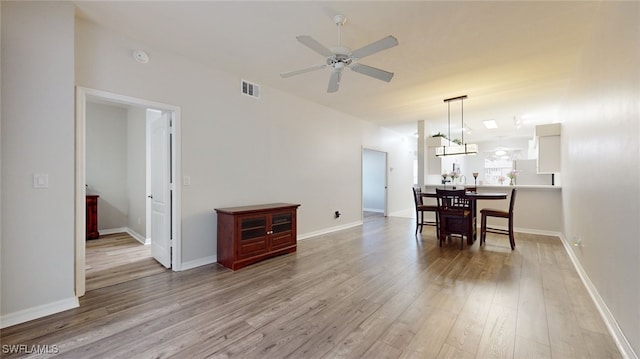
(473, 197)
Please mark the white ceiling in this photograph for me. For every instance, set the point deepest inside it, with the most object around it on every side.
(512, 59)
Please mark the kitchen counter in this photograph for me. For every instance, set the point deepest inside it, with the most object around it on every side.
(499, 187)
(538, 208)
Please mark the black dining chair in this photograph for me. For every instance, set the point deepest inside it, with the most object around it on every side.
(489, 212)
(454, 215)
(421, 208)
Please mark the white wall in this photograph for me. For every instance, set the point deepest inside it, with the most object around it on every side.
(136, 170)
(106, 163)
(235, 149)
(601, 163)
(238, 150)
(469, 163)
(37, 137)
(116, 165)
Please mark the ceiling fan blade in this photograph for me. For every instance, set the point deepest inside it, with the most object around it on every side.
(374, 47)
(314, 45)
(301, 71)
(334, 81)
(372, 71)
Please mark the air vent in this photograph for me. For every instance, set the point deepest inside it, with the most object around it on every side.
(250, 89)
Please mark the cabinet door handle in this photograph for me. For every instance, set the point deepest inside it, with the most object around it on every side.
(269, 232)
(150, 196)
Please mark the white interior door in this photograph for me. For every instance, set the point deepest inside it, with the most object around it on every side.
(159, 185)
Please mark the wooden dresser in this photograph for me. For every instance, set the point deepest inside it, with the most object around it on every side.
(253, 233)
(92, 217)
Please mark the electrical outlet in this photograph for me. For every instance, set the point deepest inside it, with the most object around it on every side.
(40, 180)
(577, 241)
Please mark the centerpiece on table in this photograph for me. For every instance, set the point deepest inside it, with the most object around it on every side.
(453, 176)
(444, 179)
(512, 177)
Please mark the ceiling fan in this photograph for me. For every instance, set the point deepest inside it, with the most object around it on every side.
(340, 57)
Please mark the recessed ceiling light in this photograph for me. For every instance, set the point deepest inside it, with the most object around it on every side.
(490, 124)
(501, 152)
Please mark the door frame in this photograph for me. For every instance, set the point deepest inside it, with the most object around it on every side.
(82, 94)
(386, 179)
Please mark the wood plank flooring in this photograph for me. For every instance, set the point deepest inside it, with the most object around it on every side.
(372, 291)
(117, 258)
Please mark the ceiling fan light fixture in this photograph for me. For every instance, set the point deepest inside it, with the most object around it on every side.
(463, 148)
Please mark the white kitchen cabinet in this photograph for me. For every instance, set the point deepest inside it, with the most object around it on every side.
(549, 149)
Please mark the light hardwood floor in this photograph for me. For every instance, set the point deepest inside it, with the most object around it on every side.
(117, 258)
(373, 291)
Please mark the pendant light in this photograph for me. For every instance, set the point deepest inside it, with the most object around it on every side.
(463, 148)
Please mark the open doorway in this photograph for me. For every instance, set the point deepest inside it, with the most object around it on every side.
(374, 184)
(156, 201)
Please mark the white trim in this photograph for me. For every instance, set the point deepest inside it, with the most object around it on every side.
(376, 210)
(82, 93)
(609, 320)
(176, 198)
(137, 236)
(541, 232)
(80, 194)
(329, 230)
(199, 262)
(106, 232)
(28, 314)
(404, 213)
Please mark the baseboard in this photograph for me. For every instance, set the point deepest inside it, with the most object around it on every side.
(198, 263)
(405, 213)
(609, 320)
(26, 315)
(213, 259)
(329, 230)
(137, 236)
(376, 210)
(105, 232)
(540, 232)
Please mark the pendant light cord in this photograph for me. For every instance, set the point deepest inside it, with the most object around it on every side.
(449, 120)
(462, 117)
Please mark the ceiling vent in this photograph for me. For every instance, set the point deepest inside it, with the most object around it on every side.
(250, 89)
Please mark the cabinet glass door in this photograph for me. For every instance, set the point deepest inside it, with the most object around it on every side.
(281, 222)
(252, 228)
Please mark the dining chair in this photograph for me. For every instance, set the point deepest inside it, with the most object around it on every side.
(454, 215)
(489, 212)
(421, 208)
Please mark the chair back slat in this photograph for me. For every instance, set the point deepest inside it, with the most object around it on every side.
(512, 202)
(417, 196)
(451, 199)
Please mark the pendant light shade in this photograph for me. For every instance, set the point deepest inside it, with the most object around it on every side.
(463, 148)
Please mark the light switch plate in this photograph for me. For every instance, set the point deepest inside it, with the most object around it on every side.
(40, 180)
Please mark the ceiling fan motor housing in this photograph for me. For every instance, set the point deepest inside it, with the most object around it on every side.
(339, 61)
